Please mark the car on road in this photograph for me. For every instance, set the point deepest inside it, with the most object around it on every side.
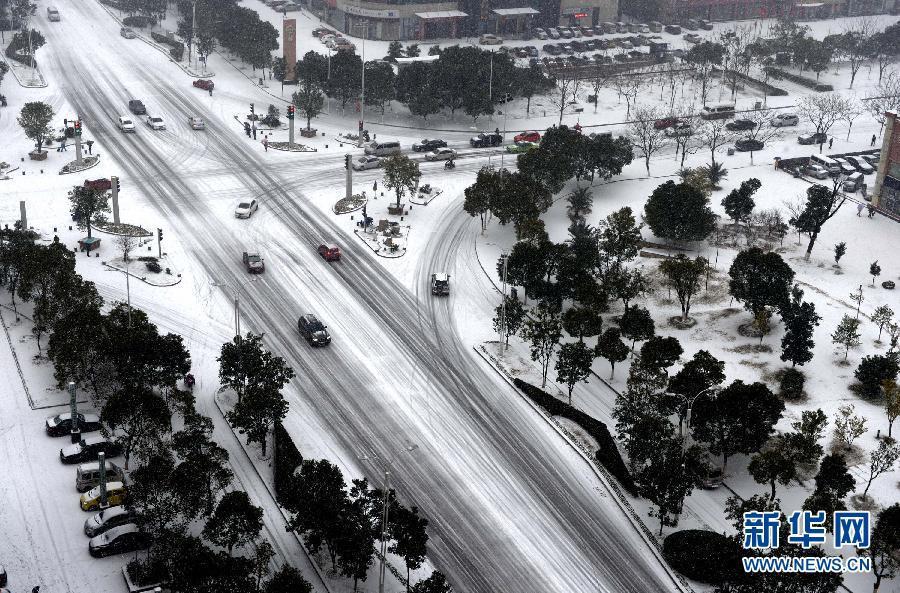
(89, 449)
(527, 137)
(441, 154)
(313, 330)
(245, 209)
(748, 145)
(520, 147)
(196, 123)
(136, 107)
(740, 125)
(440, 284)
(428, 144)
(816, 171)
(109, 518)
(485, 139)
(118, 540)
(125, 123)
(155, 122)
(330, 252)
(52, 14)
(127, 33)
(116, 494)
(814, 138)
(861, 165)
(366, 162)
(490, 39)
(253, 263)
(785, 119)
(205, 84)
(680, 129)
(61, 424)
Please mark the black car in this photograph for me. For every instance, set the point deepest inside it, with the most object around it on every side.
(748, 145)
(815, 138)
(118, 540)
(89, 449)
(137, 107)
(740, 125)
(61, 424)
(428, 145)
(484, 140)
(313, 330)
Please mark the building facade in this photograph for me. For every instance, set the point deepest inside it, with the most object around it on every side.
(886, 193)
(720, 10)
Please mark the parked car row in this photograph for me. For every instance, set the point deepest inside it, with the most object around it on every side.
(333, 40)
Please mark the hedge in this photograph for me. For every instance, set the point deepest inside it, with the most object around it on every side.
(704, 556)
(176, 48)
(139, 21)
(607, 452)
(287, 460)
(796, 78)
(770, 90)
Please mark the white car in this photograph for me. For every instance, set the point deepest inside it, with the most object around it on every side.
(540, 33)
(125, 123)
(196, 123)
(785, 119)
(553, 32)
(366, 162)
(127, 33)
(490, 39)
(441, 154)
(246, 209)
(817, 171)
(155, 122)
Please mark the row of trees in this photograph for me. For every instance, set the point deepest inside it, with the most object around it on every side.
(236, 28)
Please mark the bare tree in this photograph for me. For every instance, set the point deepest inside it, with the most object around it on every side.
(644, 136)
(567, 84)
(127, 244)
(628, 86)
(738, 57)
(854, 110)
(713, 135)
(598, 82)
(853, 44)
(763, 130)
(688, 143)
(886, 98)
(823, 110)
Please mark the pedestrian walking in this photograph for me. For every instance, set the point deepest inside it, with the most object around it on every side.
(873, 140)
(375, 186)
(266, 143)
(830, 142)
(254, 133)
(871, 210)
(859, 209)
(89, 143)
(210, 91)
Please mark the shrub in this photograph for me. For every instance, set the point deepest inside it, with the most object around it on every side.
(791, 384)
(704, 556)
(287, 460)
(607, 452)
(147, 258)
(873, 371)
(153, 267)
(176, 48)
(809, 83)
(139, 21)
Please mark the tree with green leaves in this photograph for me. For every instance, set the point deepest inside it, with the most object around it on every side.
(88, 205)
(542, 329)
(287, 579)
(235, 522)
(582, 322)
(580, 202)
(679, 212)
(401, 174)
(35, 119)
(394, 51)
(671, 475)
(317, 499)
(532, 81)
(410, 540)
(356, 544)
(885, 545)
(882, 316)
(738, 420)
(685, 276)
(244, 364)
(847, 334)
(891, 394)
(848, 426)
(309, 97)
(261, 407)
(800, 320)
(701, 373)
(346, 73)
(139, 419)
(873, 371)
(636, 325)
(204, 464)
(573, 365)
(515, 316)
(417, 88)
(739, 202)
(45, 280)
(774, 465)
(436, 583)
(619, 239)
(762, 282)
(874, 271)
(840, 250)
(833, 483)
(380, 88)
(660, 352)
(525, 266)
(611, 347)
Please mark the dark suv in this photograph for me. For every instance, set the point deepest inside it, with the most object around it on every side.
(428, 145)
(313, 330)
(484, 140)
(136, 107)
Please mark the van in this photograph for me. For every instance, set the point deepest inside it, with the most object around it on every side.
(853, 182)
(383, 148)
(827, 163)
(656, 27)
(52, 14)
(87, 475)
(717, 111)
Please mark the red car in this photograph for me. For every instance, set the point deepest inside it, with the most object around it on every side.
(206, 85)
(527, 137)
(666, 122)
(330, 252)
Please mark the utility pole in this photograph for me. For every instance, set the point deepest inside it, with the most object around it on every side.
(491, 79)
(128, 293)
(290, 114)
(503, 309)
(102, 461)
(78, 142)
(384, 526)
(114, 190)
(362, 93)
(237, 316)
(349, 176)
(73, 410)
(193, 30)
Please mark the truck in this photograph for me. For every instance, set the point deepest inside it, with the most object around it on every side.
(440, 284)
(254, 263)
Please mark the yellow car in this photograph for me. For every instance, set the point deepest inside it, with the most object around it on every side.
(116, 493)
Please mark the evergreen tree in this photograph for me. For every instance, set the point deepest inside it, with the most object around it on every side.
(436, 583)
(669, 478)
(846, 334)
(582, 322)
(873, 371)
(822, 203)
(874, 271)
(739, 203)
(515, 316)
(401, 174)
(409, 538)
(259, 409)
(660, 352)
(833, 483)
(761, 281)
(885, 545)
(235, 522)
(882, 316)
(88, 206)
(543, 330)
(800, 320)
(573, 364)
(774, 465)
(287, 579)
(891, 392)
(619, 239)
(700, 373)
(636, 325)
(35, 119)
(685, 276)
(840, 250)
(139, 419)
(611, 347)
(679, 212)
(317, 499)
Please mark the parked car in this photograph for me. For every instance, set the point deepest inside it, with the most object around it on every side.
(853, 182)
(116, 494)
(665, 122)
(366, 162)
(196, 123)
(553, 33)
(118, 540)
(137, 107)
(740, 125)
(846, 168)
(127, 33)
(440, 284)
(748, 145)
(565, 33)
(873, 159)
(441, 154)
(861, 165)
(577, 46)
(566, 48)
(330, 252)
(531, 51)
(814, 138)
(540, 33)
(552, 49)
(427, 145)
(109, 518)
(125, 124)
(245, 209)
(486, 139)
(692, 38)
(155, 122)
(87, 475)
(520, 147)
(527, 137)
(680, 129)
(253, 263)
(313, 330)
(673, 29)
(816, 171)
(785, 119)
(61, 424)
(88, 449)
(706, 25)
(489, 39)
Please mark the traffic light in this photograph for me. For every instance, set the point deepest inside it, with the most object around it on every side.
(290, 112)
(118, 186)
(252, 109)
(78, 127)
(65, 122)
(159, 234)
(346, 161)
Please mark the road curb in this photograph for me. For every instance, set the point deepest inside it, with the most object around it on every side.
(16, 359)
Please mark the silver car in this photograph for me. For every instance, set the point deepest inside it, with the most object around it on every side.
(785, 119)
(196, 123)
(441, 154)
(366, 162)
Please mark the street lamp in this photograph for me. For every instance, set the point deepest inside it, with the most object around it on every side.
(713, 391)
(237, 307)
(362, 99)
